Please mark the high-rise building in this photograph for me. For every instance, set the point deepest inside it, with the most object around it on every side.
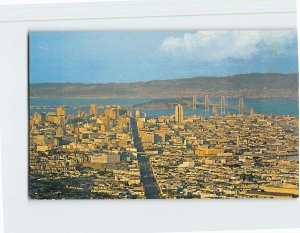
(107, 111)
(179, 114)
(93, 109)
(237, 140)
(111, 112)
(137, 114)
(241, 106)
(129, 113)
(106, 123)
(237, 143)
(223, 107)
(60, 111)
(38, 118)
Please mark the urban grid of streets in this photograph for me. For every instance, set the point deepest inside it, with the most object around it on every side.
(117, 154)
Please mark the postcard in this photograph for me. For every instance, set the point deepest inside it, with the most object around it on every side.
(163, 114)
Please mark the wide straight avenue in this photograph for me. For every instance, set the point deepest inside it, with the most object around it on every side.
(147, 178)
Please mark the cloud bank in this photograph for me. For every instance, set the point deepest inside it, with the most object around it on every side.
(213, 46)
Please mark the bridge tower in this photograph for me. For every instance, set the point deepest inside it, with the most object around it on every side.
(206, 103)
(241, 106)
(223, 107)
(194, 103)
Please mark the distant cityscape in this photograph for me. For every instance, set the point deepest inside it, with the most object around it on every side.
(116, 152)
(165, 114)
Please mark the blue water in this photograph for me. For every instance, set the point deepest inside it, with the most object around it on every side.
(86, 101)
(282, 106)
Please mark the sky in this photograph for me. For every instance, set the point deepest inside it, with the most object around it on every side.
(138, 56)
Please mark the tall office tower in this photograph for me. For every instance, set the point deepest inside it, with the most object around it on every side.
(194, 103)
(60, 111)
(114, 113)
(251, 111)
(38, 118)
(107, 111)
(238, 143)
(223, 108)
(93, 109)
(206, 103)
(214, 109)
(241, 106)
(137, 114)
(76, 130)
(179, 114)
(111, 112)
(106, 123)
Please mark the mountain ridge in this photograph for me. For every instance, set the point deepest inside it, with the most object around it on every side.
(241, 85)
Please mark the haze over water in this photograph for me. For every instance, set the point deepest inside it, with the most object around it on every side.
(278, 106)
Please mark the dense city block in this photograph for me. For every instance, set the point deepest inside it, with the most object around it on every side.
(118, 152)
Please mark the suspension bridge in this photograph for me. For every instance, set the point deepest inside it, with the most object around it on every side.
(197, 102)
(222, 105)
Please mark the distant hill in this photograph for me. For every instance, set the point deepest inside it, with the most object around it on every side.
(242, 85)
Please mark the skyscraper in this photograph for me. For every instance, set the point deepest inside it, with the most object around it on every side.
(106, 123)
(60, 111)
(111, 112)
(241, 106)
(223, 107)
(179, 114)
(137, 114)
(93, 109)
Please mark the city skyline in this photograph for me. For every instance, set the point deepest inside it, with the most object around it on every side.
(133, 56)
(185, 138)
(120, 153)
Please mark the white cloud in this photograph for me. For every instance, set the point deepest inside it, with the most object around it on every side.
(219, 45)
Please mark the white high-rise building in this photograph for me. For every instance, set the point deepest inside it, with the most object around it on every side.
(179, 114)
(137, 114)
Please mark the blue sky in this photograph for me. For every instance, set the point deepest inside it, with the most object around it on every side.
(133, 56)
